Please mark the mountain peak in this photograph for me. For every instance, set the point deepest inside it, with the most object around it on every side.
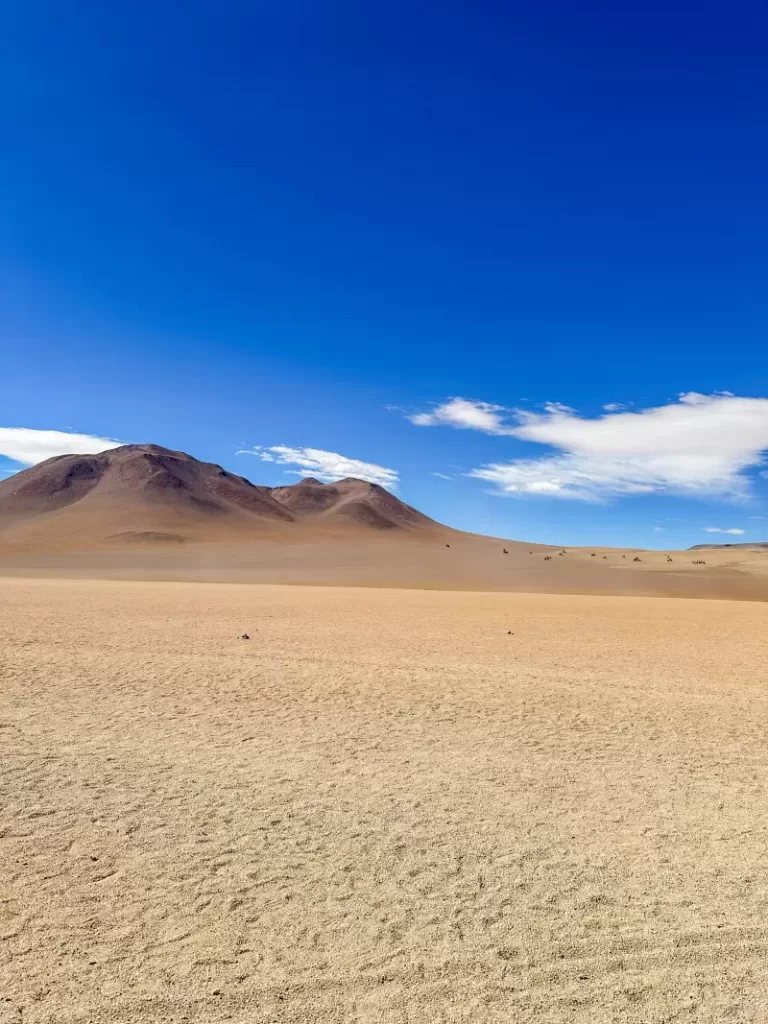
(350, 500)
(150, 449)
(147, 490)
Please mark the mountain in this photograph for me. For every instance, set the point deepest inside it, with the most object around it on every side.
(145, 512)
(146, 493)
(351, 500)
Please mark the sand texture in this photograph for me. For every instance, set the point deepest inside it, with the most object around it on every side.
(381, 808)
(314, 557)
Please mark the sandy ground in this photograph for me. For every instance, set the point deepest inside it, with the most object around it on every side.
(380, 808)
(308, 555)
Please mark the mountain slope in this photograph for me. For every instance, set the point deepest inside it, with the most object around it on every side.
(148, 493)
(138, 477)
(350, 500)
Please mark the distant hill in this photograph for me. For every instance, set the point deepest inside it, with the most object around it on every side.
(144, 492)
(741, 544)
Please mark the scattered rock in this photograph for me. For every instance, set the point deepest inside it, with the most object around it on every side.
(244, 636)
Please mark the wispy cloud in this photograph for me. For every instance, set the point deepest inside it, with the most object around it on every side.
(735, 531)
(323, 464)
(464, 414)
(443, 476)
(30, 446)
(614, 407)
(698, 445)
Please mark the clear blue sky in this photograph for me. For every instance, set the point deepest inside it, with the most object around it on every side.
(298, 224)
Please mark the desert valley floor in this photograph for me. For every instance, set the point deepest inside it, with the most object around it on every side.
(391, 806)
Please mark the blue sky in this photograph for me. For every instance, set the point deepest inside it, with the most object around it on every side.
(305, 226)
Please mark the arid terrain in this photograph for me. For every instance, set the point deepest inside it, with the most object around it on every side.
(390, 806)
(143, 512)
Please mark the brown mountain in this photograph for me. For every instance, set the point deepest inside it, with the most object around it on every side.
(351, 500)
(144, 512)
(147, 493)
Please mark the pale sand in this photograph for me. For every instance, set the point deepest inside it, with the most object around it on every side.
(381, 808)
(310, 556)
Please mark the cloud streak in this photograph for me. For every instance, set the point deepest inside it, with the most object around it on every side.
(323, 464)
(30, 446)
(464, 414)
(699, 445)
(717, 529)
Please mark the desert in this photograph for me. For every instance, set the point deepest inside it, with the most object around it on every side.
(303, 754)
(384, 513)
(145, 512)
(385, 806)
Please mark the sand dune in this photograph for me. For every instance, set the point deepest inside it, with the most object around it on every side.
(381, 808)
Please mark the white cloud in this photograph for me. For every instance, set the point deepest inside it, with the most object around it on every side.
(557, 407)
(716, 529)
(464, 414)
(29, 446)
(658, 529)
(698, 445)
(756, 517)
(324, 465)
(614, 407)
(443, 476)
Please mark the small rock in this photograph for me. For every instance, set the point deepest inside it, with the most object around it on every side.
(244, 636)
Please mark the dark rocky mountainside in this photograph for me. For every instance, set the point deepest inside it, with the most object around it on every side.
(150, 492)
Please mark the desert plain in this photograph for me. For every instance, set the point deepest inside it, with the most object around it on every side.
(388, 806)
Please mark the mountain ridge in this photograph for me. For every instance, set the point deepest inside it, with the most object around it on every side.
(157, 491)
(719, 547)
